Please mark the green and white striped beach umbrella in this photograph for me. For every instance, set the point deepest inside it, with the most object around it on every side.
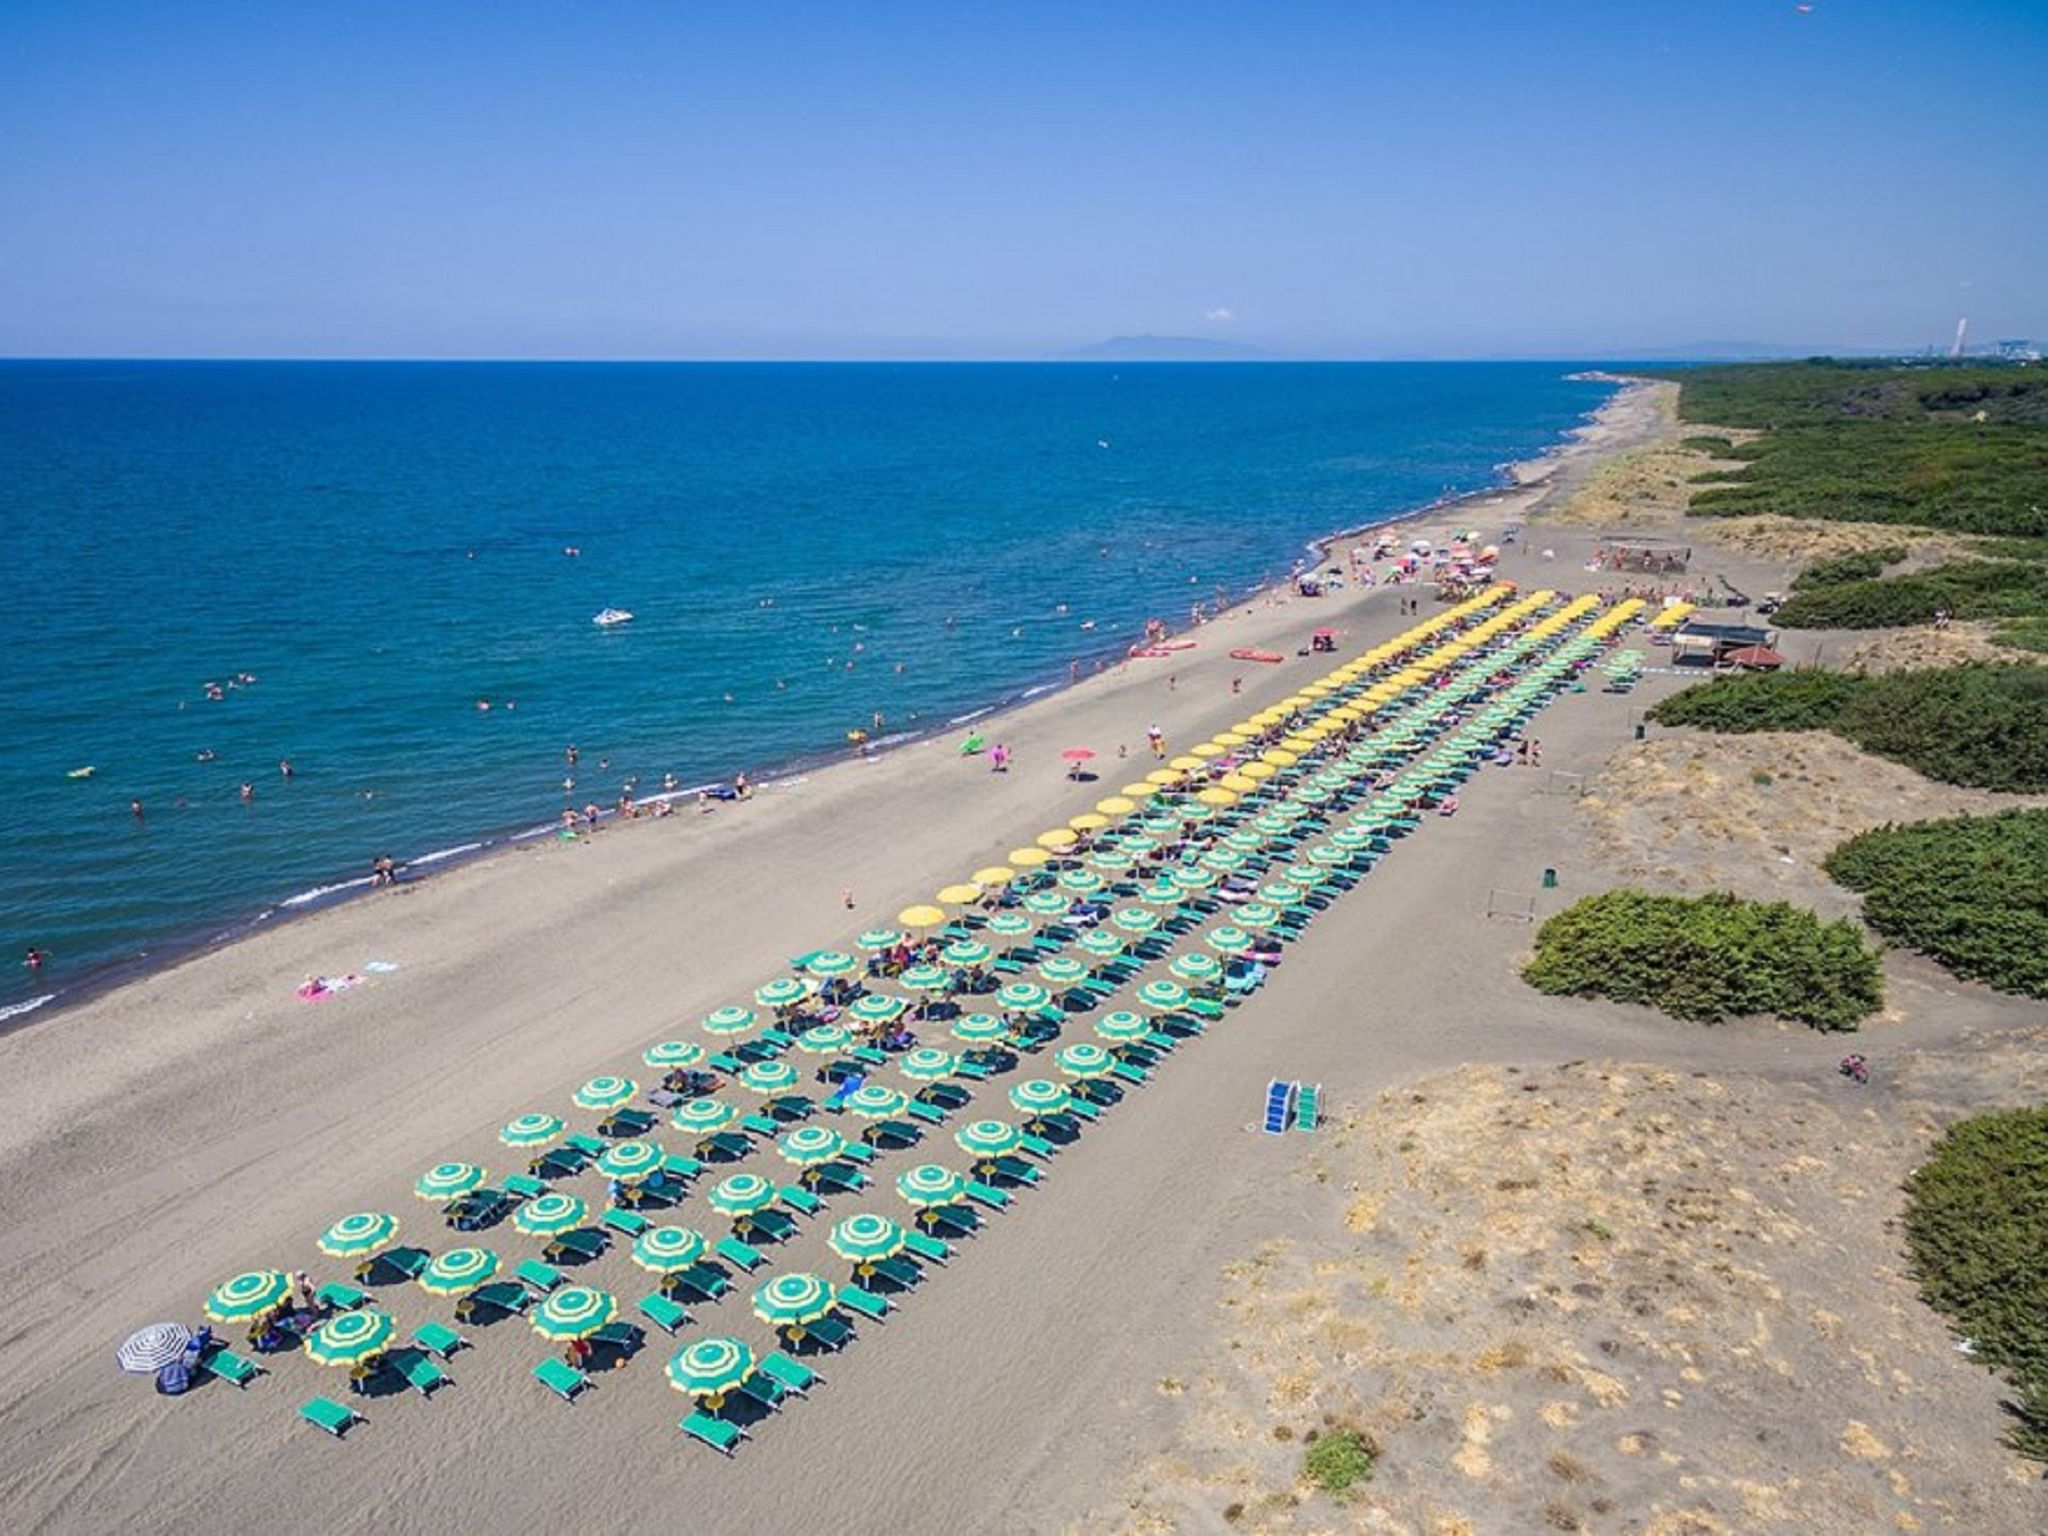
(1244, 840)
(1010, 925)
(1228, 940)
(1022, 996)
(877, 1007)
(1223, 861)
(1163, 892)
(1084, 1060)
(790, 1299)
(349, 1338)
(1111, 861)
(732, 1019)
(1163, 995)
(875, 1101)
(969, 952)
(1162, 823)
(1329, 855)
(980, 1029)
(248, 1295)
(606, 1092)
(630, 1161)
(533, 1130)
(458, 1271)
(988, 1138)
(353, 1236)
(1351, 839)
(742, 1194)
(1282, 893)
(448, 1181)
(782, 992)
(824, 1039)
(664, 1250)
(1063, 971)
(1121, 1026)
(1038, 1096)
(1135, 920)
(1190, 877)
(879, 939)
(831, 962)
(710, 1368)
(1045, 903)
(1196, 967)
(1100, 944)
(1257, 914)
(926, 978)
(930, 1184)
(1082, 882)
(574, 1312)
(549, 1214)
(865, 1237)
(700, 1117)
(768, 1077)
(1272, 824)
(673, 1053)
(928, 1064)
(809, 1145)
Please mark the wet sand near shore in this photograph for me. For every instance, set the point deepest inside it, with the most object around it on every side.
(204, 1120)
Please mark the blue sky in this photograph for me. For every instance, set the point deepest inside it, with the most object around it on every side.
(776, 178)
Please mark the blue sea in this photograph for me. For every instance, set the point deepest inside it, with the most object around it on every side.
(378, 547)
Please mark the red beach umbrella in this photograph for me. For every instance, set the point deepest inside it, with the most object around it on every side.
(1078, 754)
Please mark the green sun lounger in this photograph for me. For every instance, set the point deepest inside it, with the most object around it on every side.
(621, 1335)
(829, 1332)
(763, 1389)
(926, 1247)
(565, 1381)
(542, 1277)
(859, 1299)
(868, 1055)
(698, 1280)
(681, 1165)
(720, 1434)
(525, 1186)
(504, 1295)
(589, 1146)
(666, 1315)
(837, 1179)
(1124, 1071)
(735, 1252)
(727, 1063)
(230, 1367)
(988, 1195)
(1308, 1107)
(438, 1339)
(793, 1375)
(631, 1223)
(340, 1296)
(1015, 1168)
(899, 1272)
(421, 1374)
(800, 1200)
(585, 1243)
(761, 1125)
(858, 1152)
(1038, 1146)
(325, 1413)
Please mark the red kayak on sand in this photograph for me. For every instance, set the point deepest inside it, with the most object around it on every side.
(1246, 654)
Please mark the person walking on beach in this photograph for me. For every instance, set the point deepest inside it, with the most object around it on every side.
(1156, 740)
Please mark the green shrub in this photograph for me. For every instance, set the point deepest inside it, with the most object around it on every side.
(1820, 390)
(1971, 892)
(1709, 958)
(1977, 1228)
(1805, 700)
(1719, 447)
(1968, 589)
(2023, 634)
(1337, 1460)
(1863, 565)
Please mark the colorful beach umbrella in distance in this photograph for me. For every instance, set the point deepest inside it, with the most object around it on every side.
(878, 939)
(1100, 944)
(1139, 792)
(964, 894)
(664, 1250)
(742, 1194)
(630, 1161)
(1084, 1060)
(148, 1350)
(875, 1101)
(1029, 858)
(1082, 882)
(448, 1181)
(782, 992)
(831, 962)
(1282, 893)
(1046, 904)
(709, 1368)
(922, 917)
(1115, 805)
(1203, 749)
(866, 1236)
(1228, 940)
(876, 1008)
(363, 1233)
(993, 876)
(349, 1338)
(550, 1214)
(1038, 1096)
(767, 1077)
(824, 1039)
(1163, 995)
(926, 978)
(574, 1312)
(248, 1295)
(1135, 920)
(1057, 838)
(809, 1145)
(1022, 996)
(1062, 971)
(458, 1271)
(531, 1130)
(1088, 821)
(988, 1138)
(1122, 1026)
(673, 1053)
(1009, 925)
(1186, 764)
(930, 1184)
(700, 1117)
(606, 1092)
(1196, 967)
(1222, 799)
(732, 1019)
(792, 1299)
(968, 952)
(928, 1064)
(980, 1029)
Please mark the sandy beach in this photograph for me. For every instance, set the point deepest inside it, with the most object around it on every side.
(204, 1120)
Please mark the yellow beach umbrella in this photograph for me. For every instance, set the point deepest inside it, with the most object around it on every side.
(1028, 858)
(1207, 749)
(1163, 776)
(1279, 757)
(921, 917)
(1238, 783)
(993, 875)
(1237, 735)
(1058, 837)
(1088, 821)
(1142, 790)
(1295, 701)
(1116, 805)
(1296, 743)
(1187, 764)
(1217, 797)
(963, 895)
(1257, 771)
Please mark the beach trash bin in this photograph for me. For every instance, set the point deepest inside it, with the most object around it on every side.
(1549, 878)
(1639, 730)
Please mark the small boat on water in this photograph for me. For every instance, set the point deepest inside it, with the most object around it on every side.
(612, 616)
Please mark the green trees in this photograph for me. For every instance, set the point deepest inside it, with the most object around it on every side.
(1709, 958)
(1967, 589)
(1864, 565)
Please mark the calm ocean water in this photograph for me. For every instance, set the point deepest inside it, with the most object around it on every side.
(382, 545)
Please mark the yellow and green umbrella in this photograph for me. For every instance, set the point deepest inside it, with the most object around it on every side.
(630, 1161)
(879, 939)
(1135, 919)
(1082, 882)
(792, 1299)
(701, 1117)
(1196, 967)
(448, 1181)
(824, 1039)
(673, 1053)
(831, 962)
(1010, 925)
(574, 1312)
(864, 1237)
(1022, 996)
(1100, 944)
(768, 1077)
(732, 1019)
(1062, 971)
(988, 1138)
(349, 1338)
(606, 1092)
(710, 1368)
(1283, 893)
(926, 978)
(1122, 1026)
(928, 1064)
(1084, 1060)
(664, 1250)
(877, 1007)
(967, 952)
(1045, 904)
(534, 1130)
(809, 1145)
(980, 1029)
(1037, 1097)
(548, 1214)
(875, 1101)
(248, 1295)
(1228, 940)
(364, 1232)
(458, 1271)
(782, 992)
(1257, 914)
(930, 1184)
(742, 1195)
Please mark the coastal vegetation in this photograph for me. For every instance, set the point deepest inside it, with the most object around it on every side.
(1336, 1460)
(1822, 390)
(1857, 565)
(1980, 725)
(1977, 1228)
(1968, 891)
(1710, 958)
(1965, 589)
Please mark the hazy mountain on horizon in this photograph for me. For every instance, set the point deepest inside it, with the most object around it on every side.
(1166, 349)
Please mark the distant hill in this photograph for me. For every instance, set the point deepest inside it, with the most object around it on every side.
(1166, 349)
